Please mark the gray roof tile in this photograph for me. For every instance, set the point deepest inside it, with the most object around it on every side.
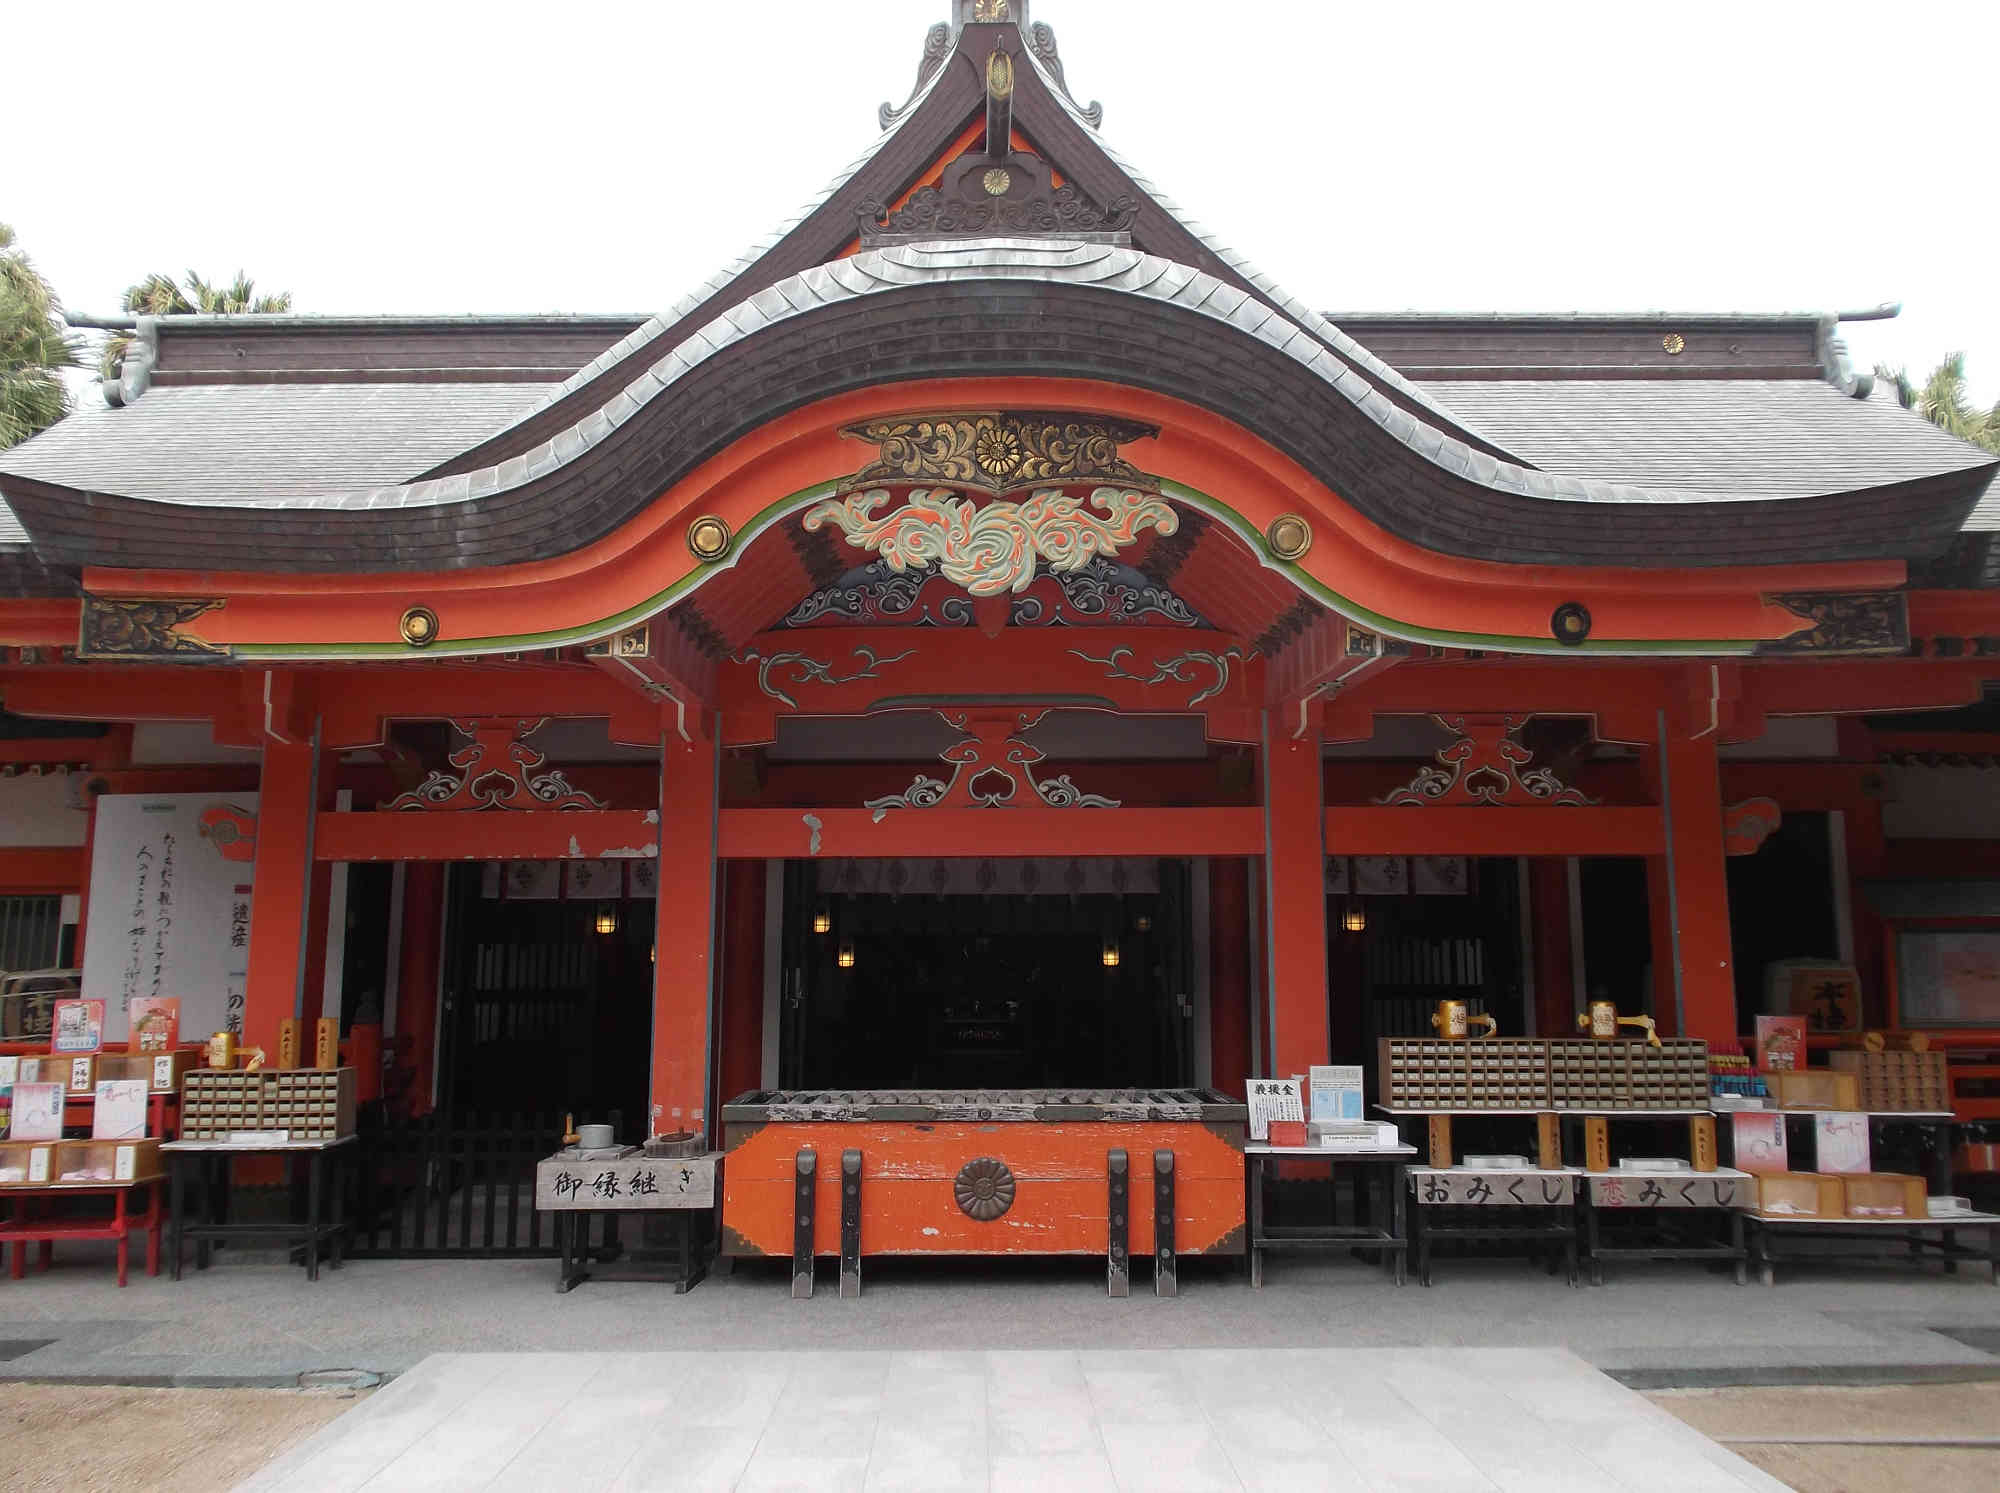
(1729, 437)
(263, 443)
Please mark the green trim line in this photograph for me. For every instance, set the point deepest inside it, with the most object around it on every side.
(1354, 611)
(639, 612)
(1180, 492)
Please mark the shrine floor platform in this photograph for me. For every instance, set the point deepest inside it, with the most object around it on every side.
(255, 1321)
(1161, 1420)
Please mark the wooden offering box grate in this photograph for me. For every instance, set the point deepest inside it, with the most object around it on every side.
(1535, 1073)
(308, 1104)
(1898, 1082)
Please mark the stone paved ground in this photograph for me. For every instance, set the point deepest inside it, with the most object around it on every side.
(256, 1321)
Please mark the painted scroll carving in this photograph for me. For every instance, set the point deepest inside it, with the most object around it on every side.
(997, 547)
(497, 771)
(144, 628)
(1746, 826)
(1485, 765)
(997, 452)
(803, 668)
(990, 768)
(1208, 671)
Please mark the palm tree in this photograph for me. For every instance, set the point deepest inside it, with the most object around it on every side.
(34, 348)
(159, 295)
(1941, 400)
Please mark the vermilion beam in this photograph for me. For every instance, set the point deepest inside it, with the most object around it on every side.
(800, 834)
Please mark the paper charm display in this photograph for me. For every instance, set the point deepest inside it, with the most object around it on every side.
(38, 1111)
(1760, 1145)
(1843, 1143)
(79, 1026)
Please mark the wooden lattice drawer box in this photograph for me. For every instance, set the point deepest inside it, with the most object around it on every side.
(305, 1103)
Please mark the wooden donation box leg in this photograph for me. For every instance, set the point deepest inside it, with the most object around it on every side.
(1596, 1144)
(1440, 1128)
(1701, 1142)
(1549, 1141)
(1166, 1265)
(1118, 1257)
(807, 1173)
(850, 1224)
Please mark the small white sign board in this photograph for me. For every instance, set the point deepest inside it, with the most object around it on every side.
(624, 1184)
(1273, 1099)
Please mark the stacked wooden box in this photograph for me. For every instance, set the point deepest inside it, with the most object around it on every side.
(308, 1104)
(1535, 1073)
(1898, 1082)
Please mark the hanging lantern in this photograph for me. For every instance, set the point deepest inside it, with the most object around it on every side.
(1356, 918)
(1111, 953)
(822, 921)
(845, 958)
(1142, 923)
(607, 918)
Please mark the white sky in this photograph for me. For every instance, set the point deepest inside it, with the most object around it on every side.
(502, 157)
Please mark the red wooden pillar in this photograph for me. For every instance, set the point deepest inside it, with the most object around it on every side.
(417, 977)
(740, 1055)
(1694, 886)
(1295, 893)
(1229, 973)
(1555, 974)
(281, 890)
(684, 967)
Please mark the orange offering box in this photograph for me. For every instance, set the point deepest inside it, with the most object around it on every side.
(1816, 1088)
(1886, 1195)
(1801, 1195)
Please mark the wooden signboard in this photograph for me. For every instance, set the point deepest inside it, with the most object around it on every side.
(625, 1183)
(1671, 1190)
(1501, 1188)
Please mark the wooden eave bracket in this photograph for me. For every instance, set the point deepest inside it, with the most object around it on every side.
(658, 663)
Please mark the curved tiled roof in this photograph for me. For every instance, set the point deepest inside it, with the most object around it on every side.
(1470, 503)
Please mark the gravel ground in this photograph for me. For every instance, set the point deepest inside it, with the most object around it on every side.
(79, 1439)
(1915, 1411)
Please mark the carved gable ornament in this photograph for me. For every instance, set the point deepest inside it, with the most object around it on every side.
(1025, 466)
(999, 453)
(1485, 765)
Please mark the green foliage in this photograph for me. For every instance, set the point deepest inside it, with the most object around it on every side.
(1941, 399)
(159, 295)
(34, 347)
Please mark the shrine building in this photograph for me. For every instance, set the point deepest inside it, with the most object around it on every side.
(989, 639)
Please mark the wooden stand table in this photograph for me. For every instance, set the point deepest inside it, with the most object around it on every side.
(25, 1227)
(214, 1156)
(1918, 1235)
(1529, 1204)
(1386, 1186)
(1664, 1198)
(680, 1189)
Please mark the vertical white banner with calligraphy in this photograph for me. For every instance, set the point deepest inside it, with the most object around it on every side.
(170, 878)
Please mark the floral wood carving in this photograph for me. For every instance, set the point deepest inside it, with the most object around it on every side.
(997, 547)
(1746, 826)
(933, 213)
(997, 453)
(497, 771)
(988, 769)
(1485, 765)
(148, 628)
(1104, 592)
(1867, 622)
(984, 1188)
(1182, 668)
(803, 668)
